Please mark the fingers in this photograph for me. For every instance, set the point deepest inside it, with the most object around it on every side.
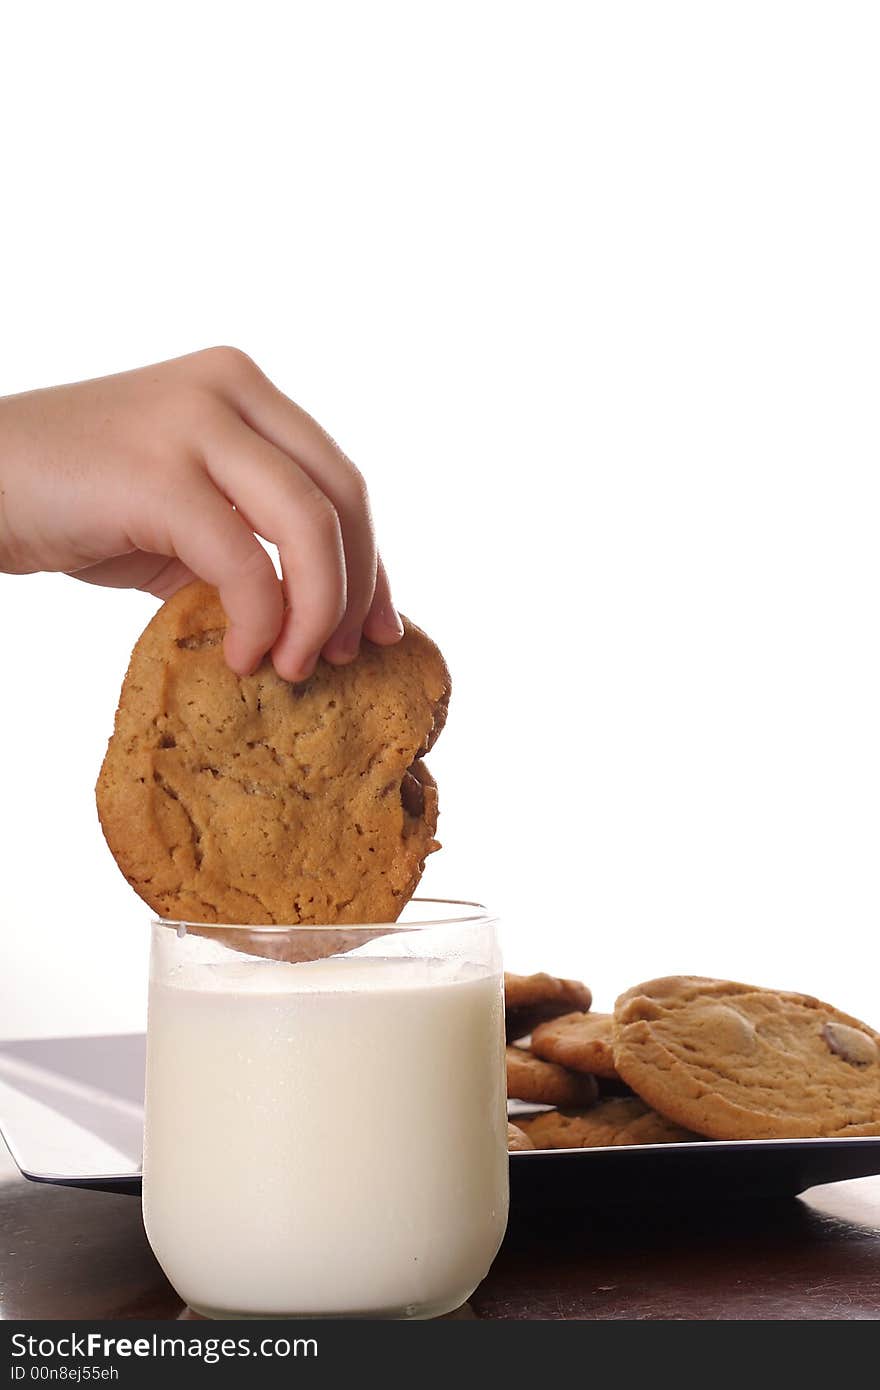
(167, 578)
(214, 542)
(292, 431)
(283, 505)
(383, 623)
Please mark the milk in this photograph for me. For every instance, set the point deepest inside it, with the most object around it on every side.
(325, 1138)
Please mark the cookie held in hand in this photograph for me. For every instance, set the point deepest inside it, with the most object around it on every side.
(250, 800)
(733, 1061)
(544, 1083)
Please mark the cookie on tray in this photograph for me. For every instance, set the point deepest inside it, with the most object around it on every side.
(517, 1141)
(251, 800)
(533, 999)
(544, 1083)
(618, 1120)
(732, 1061)
(581, 1042)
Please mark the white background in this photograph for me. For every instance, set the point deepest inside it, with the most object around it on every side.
(591, 294)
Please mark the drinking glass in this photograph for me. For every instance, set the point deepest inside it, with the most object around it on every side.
(325, 1129)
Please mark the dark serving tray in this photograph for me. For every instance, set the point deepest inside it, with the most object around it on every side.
(715, 1170)
(71, 1113)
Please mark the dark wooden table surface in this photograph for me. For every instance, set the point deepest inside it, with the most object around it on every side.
(73, 1254)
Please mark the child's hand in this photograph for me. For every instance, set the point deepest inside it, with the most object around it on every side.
(150, 478)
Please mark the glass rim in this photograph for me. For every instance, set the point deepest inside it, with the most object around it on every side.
(481, 917)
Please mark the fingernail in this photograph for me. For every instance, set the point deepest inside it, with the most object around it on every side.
(348, 644)
(300, 672)
(237, 664)
(391, 618)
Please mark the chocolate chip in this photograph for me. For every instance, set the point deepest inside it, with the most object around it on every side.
(211, 638)
(727, 1027)
(851, 1044)
(441, 709)
(412, 796)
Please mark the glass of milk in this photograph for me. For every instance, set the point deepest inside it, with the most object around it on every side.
(326, 1129)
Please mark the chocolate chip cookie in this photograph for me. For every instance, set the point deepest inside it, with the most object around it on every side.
(581, 1042)
(619, 1120)
(250, 800)
(733, 1061)
(544, 1083)
(532, 999)
(517, 1141)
